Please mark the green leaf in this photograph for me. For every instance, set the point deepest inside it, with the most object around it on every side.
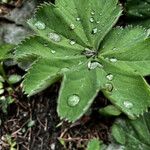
(77, 93)
(129, 90)
(110, 110)
(95, 16)
(129, 47)
(14, 78)
(71, 44)
(98, 15)
(138, 8)
(138, 12)
(45, 72)
(94, 144)
(4, 49)
(133, 134)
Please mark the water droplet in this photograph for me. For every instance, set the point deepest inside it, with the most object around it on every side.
(72, 26)
(114, 49)
(72, 42)
(92, 13)
(110, 77)
(54, 37)
(88, 52)
(107, 59)
(80, 62)
(94, 31)
(45, 44)
(53, 52)
(65, 69)
(91, 20)
(94, 64)
(73, 100)
(40, 25)
(128, 104)
(113, 60)
(78, 19)
(98, 22)
(108, 87)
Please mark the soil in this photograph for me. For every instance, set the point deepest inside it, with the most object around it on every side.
(34, 124)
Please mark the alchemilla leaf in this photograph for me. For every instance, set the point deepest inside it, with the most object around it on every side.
(75, 42)
(133, 134)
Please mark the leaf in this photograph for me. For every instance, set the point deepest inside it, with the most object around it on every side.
(45, 72)
(110, 110)
(138, 12)
(71, 44)
(133, 134)
(130, 47)
(131, 93)
(138, 8)
(4, 49)
(105, 16)
(94, 144)
(95, 16)
(77, 93)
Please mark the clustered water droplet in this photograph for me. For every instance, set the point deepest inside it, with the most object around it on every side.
(128, 104)
(94, 64)
(40, 25)
(110, 77)
(54, 37)
(73, 100)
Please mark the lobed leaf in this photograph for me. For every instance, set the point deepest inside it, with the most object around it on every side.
(71, 44)
(78, 90)
(133, 134)
(130, 92)
(4, 49)
(130, 47)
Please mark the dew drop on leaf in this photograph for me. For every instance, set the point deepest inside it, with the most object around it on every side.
(91, 20)
(98, 22)
(40, 25)
(54, 37)
(65, 69)
(92, 13)
(127, 104)
(72, 26)
(73, 100)
(46, 44)
(78, 19)
(53, 52)
(114, 49)
(72, 42)
(94, 64)
(113, 60)
(110, 77)
(94, 31)
(108, 87)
